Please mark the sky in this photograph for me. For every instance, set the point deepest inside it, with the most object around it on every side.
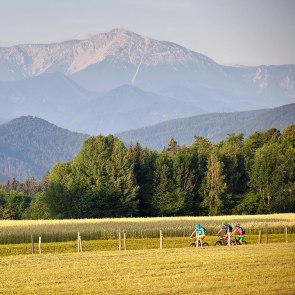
(231, 32)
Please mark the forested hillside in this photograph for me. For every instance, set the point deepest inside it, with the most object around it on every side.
(29, 146)
(215, 127)
(107, 179)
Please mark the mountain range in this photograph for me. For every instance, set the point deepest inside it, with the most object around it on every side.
(119, 80)
(30, 146)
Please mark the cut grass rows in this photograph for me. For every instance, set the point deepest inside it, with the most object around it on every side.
(253, 269)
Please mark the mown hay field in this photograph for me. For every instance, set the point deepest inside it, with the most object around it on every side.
(20, 231)
(252, 269)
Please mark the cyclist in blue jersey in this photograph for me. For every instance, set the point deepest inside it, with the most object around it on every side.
(200, 232)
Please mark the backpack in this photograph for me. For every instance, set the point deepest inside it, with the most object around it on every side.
(241, 231)
(229, 227)
(204, 229)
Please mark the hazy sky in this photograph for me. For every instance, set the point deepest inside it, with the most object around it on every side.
(245, 32)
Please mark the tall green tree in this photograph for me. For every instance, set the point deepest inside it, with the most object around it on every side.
(233, 159)
(185, 174)
(214, 185)
(38, 208)
(272, 177)
(16, 205)
(201, 148)
(99, 182)
(173, 147)
(59, 196)
(167, 199)
(144, 161)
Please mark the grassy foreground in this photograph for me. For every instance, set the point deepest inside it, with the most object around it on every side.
(252, 269)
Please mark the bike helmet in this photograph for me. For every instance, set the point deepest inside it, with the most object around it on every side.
(237, 224)
(198, 225)
(224, 222)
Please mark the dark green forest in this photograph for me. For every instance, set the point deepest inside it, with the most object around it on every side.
(107, 179)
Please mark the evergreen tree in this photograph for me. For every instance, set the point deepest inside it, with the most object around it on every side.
(201, 148)
(185, 164)
(233, 159)
(167, 199)
(144, 166)
(173, 147)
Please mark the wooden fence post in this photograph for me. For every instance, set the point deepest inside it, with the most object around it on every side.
(197, 239)
(161, 239)
(79, 244)
(40, 250)
(266, 234)
(286, 233)
(120, 241)
(32, 242)
(124, 241)
(228, 237)
(260, 237)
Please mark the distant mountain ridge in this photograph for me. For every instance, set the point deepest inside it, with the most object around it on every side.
(127, 106)
(49, 96)
(104, 63)
(30, 146)
(215, 127)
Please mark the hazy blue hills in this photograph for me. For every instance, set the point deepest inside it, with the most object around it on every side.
(30, 146)
(215, 127)
(50, 96)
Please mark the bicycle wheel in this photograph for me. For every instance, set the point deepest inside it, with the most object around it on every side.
(193, 244)
(205, 244)
(244, 243)
(218, 243)
(234, 243)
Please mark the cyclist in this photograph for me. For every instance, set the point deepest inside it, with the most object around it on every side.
(200, 233)
(227, 228)
(240, 232)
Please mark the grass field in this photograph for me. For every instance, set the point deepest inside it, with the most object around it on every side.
(252, 269)
(131, 244)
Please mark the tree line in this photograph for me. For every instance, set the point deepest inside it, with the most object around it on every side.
(108, 179)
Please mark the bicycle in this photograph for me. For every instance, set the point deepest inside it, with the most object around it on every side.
(236, 242)
(193, 244)
(223, 241)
